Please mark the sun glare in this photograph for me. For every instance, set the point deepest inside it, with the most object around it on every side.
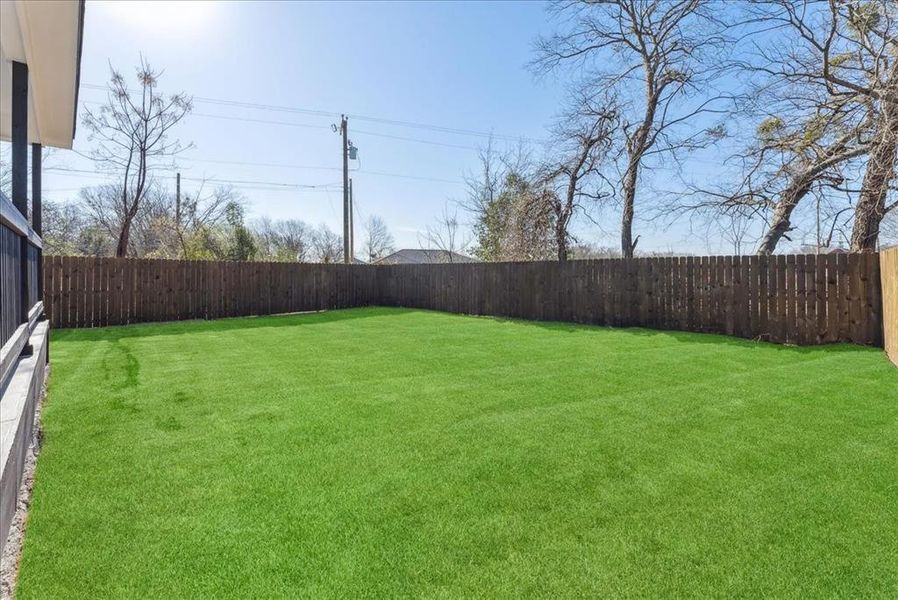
(163, 16)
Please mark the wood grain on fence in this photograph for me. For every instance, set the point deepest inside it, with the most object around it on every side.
(94, 292)
(889, 298)
(804, 299)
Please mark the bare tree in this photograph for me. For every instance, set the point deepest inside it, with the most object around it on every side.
(194, 214)
(654, 56)
(735, 229)
(294, 239)
(510, 219)
(290, 240)
(103, 209)
(445, 234)
(794, 155)
(378, 239)
(327, 246)
(150, 229)
(850, 50)
(585, 140)
(153, 230)
(131, 131)
(484, 186)
(63, 224)
(266, 235)
(484, 189)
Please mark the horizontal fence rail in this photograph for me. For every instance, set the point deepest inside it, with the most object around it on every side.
(801, 299)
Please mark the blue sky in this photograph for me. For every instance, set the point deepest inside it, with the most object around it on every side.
(454, 65)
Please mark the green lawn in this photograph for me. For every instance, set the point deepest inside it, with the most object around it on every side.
(387, 452)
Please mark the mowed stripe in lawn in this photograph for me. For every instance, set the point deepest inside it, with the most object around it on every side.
(385, 452)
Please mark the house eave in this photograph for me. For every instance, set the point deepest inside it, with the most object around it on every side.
(47, 36)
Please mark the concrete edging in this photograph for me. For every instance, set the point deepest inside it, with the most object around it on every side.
(19, 401)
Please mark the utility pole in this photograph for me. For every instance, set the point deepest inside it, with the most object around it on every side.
(344, 130)
(350, 152)
(351, 227)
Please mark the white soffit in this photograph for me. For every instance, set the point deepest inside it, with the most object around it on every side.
(45, 35)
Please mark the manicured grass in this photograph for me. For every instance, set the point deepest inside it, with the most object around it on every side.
(386, 452)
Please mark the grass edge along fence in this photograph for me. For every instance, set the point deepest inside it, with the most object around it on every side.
(95, 292)
(800, 299)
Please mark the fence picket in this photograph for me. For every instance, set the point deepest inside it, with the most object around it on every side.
(797, 299)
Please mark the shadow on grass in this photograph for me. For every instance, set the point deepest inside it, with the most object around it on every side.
(717, 339)
(141, 330)
(165, 328)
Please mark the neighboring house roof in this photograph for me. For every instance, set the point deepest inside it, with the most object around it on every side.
(411, 256)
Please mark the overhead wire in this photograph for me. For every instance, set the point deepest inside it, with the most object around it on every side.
(295, 166)
(320, 168)
(333, 114)
(241, 183)
(367, 118)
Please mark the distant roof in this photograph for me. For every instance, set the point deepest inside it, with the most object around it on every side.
(410, 256)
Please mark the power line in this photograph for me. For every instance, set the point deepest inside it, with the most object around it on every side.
(234, 118)
(450, 130)
(235, 182)
(320, 168)
(387, 135)
(88, 173)
(237, 103)
(416, 177)
(310, 126)
(259, 164)
(418, 140)
(331, 114)
(694, 159)
(267, 183)
(249, 120)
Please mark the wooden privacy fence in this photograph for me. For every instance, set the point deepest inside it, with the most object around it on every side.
(93, 292)
(802, 299)
(889, 268)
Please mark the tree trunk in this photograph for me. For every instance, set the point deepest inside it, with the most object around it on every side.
(561, 240)
(874, 189)
(121, 249)
(780, 224)
(626, 229)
